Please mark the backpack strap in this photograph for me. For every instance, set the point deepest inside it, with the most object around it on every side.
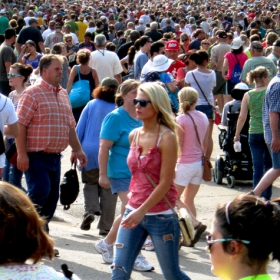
(237, 59)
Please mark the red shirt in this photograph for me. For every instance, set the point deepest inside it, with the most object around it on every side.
(174, 67)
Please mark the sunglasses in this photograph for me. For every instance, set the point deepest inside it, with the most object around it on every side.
(211, 242)
(67, 41)
(142, 102)
(149, 41)
(12, 75)
(185, 40)
(205, 44)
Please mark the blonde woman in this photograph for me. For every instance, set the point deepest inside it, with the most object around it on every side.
(189, 169)
(153, 152)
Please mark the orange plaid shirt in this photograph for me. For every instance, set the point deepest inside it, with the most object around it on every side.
(46, 113)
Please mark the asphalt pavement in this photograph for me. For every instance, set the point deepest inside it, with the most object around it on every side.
(76, 247)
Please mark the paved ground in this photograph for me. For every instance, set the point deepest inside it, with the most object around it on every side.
(76, 246)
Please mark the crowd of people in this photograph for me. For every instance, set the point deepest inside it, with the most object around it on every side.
(154, 75)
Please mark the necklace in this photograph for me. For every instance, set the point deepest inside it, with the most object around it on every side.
(103, 53)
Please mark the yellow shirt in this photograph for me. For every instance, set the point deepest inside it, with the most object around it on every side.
(40, 21)
(82, 30)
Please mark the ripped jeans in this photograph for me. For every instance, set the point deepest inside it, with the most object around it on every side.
(164, 232)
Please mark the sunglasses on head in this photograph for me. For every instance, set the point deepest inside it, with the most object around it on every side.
(142, 102)
(12, 75)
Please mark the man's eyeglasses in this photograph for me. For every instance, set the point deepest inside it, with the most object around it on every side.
(12, 75)
(142, 102)
(211, 242)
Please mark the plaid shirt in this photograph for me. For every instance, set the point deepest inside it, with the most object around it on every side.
(46, 113)
(271, 104)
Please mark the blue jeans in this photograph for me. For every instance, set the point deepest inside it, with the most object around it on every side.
(43, 178)
(164, 232)
(11, 174)
(261, 161)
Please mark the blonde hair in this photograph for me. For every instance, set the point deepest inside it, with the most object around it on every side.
(257, 74)
(187, 97)
(161, 103)
(123, 89)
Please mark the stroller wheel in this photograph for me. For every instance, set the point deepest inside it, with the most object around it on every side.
(217, 172)
(230, 181)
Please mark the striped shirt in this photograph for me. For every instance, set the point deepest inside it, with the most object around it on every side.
(46, 112)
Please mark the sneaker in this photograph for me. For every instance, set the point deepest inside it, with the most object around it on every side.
(148, 245)
(141, 264)
(105, 250)
(88, 219)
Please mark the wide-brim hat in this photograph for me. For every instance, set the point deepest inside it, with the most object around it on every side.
(161, 63)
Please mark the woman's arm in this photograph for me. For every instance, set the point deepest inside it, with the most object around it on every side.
(181, 136)
(71, 79)
(95, 77)
(172, 87)
(225, 68)
(123, 62)
(21, 59)
(168, 148)
(205, 140)
(103, 155)
(242, 116)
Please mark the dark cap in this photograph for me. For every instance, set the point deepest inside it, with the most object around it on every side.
(32, 20)
(109, 82)
(222, 35)
(168, 21)
(276, 43)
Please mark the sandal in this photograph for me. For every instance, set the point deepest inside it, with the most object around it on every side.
(199, 229)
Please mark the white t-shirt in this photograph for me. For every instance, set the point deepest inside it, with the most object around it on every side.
(46, 33)
(7, 116)
(148, 67)
(106, 64)
(90, 29)
(207, 82)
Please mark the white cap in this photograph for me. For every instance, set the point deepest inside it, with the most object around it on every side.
(236, 43)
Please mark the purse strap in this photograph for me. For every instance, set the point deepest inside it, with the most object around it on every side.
(151, 180)
(196, 132)
(202, 90)
(78, 71)
(165, 198)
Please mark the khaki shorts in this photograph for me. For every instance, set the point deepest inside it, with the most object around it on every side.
(220, 87)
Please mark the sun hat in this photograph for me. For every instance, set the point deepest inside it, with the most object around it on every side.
(172, 45)
(236, 43)
(161, 63)
(239, 90)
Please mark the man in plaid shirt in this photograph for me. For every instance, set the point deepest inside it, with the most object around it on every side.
(47, 126)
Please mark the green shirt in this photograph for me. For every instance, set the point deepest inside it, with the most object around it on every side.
(4, 24)
(74, 26)
(258, 277)
(256, 99)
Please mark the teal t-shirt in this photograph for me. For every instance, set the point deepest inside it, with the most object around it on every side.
(116, 127)
(258, 277)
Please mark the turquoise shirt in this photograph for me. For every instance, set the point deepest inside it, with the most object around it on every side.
(116, 127)
(258, 277)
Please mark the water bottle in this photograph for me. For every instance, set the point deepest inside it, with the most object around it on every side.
(237, 147)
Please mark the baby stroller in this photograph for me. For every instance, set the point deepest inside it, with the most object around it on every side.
(233, 165)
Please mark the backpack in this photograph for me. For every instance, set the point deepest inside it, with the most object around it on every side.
(236, 72)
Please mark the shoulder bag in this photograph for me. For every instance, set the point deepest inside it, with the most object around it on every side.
(206, 163)
(217, 119)
(79, 94)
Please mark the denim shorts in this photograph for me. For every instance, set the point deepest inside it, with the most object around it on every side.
(119, 185)
(206, 109)
(275, 158)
